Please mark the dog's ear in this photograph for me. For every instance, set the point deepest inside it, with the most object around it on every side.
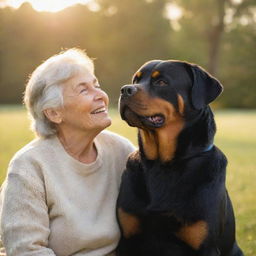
(205, 87)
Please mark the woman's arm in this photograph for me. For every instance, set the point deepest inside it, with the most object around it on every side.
(24, 216)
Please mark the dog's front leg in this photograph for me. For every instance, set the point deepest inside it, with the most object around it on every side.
(131, 205)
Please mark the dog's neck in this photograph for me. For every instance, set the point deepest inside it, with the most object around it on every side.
(197, 135)
(179, 140)
(161, 144)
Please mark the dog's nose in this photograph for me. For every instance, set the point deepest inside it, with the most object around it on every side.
(128, 90)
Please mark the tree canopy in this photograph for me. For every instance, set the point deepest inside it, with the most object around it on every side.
(219, 35)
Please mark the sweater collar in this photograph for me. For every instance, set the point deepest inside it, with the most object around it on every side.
(78, 166)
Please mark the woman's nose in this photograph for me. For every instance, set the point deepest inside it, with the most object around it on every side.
(100, 95)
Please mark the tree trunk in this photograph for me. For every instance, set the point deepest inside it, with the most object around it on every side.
(215, 38)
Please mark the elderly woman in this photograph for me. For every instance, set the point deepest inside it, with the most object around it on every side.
(61, 189)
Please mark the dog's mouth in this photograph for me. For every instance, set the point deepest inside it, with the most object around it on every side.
(141, 121)
(155, 121)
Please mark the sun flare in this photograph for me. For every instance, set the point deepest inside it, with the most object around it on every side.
(46, 5)
(173, 11)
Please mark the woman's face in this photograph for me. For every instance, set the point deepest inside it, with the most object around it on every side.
(85, 104)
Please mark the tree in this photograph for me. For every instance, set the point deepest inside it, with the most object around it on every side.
(122, 35)
(220, 36)
(209, 19)
(132, 32)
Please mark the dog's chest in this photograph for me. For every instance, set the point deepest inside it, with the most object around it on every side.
(158, 189)
(161, 188)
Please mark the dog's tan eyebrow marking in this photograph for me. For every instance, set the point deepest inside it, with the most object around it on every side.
(139, 74)
(155, 74)
(181, 104)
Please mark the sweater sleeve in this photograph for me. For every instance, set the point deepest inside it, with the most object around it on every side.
(129, 148)
(24, 215)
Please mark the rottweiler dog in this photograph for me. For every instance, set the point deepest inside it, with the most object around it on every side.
(173, 200)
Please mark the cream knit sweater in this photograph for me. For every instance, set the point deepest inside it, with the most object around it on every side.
(53, 204)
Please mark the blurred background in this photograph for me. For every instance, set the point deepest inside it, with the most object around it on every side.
(219, 35)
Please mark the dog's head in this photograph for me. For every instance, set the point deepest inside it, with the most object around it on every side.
(162, 91)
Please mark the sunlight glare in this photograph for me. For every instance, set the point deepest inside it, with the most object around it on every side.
(237, 1)
(13, 3)
(46, 5)
(173, 12)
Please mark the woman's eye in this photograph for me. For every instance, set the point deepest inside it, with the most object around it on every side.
(83, 90)
(161, 83)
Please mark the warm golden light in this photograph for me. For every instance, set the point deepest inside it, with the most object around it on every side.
(46, 5)
(173, 11)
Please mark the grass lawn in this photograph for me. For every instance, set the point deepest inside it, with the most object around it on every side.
(236, 137)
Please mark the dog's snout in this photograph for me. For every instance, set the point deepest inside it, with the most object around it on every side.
(128, 90)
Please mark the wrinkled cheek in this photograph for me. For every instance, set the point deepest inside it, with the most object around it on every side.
(88, 122)
(105, 98)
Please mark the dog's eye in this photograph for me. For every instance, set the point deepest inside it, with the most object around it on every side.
(135, 80)
(161, 83)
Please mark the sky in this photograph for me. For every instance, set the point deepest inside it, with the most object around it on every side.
(43, 5)
(173, 12)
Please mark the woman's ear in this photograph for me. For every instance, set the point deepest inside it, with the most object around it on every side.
(54, 115)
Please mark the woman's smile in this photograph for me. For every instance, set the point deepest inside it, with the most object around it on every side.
(100, 110)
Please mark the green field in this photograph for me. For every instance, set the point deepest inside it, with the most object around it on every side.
(236, 137)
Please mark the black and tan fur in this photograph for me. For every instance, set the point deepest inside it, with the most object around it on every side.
(173, 200)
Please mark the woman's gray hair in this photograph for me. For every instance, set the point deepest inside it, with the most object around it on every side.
(44, 88)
